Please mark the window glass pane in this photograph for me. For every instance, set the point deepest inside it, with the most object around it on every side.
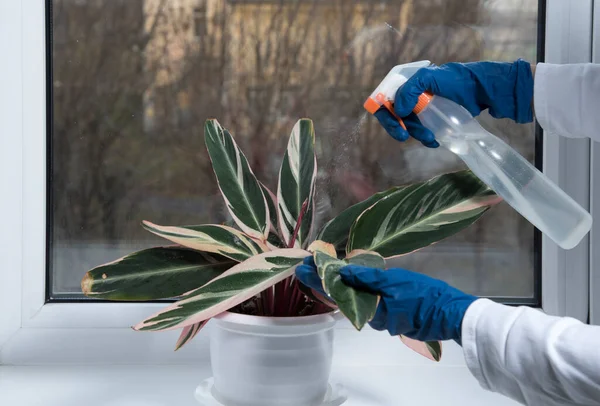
(134, 80)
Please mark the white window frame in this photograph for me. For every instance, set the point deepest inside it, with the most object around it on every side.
(595, 193)
(35, 332)
(565, 288)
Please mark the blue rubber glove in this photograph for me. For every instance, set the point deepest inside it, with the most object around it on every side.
(506, 89)
(307, 274)
(412, 304)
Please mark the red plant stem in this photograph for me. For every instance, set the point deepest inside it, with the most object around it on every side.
(269, 307)
(320, 308)
(284, 292)
(298, 224)
(292, 299)
(302, 303)
(286, 287)
(266, 302)
(277, 298)
(297, 300)
(260, 305)
(285, 297)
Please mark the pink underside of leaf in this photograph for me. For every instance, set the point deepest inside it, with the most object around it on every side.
(417, 346)
(196, 329)
(323, 299)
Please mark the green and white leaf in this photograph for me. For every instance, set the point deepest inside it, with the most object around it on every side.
(421, 214)
(358, 306)
(274, 239)
(155, 273)
(336, 230)
(296, 184)
(241, 190)
(188, 333)
(322, 246)
(213, 238)
(233, 287)
(428, 349)
(315, 296)
(369, 259)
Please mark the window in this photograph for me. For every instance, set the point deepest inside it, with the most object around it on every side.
(280, 61)
(104, 102)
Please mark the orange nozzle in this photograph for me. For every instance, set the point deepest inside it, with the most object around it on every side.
(371, 105)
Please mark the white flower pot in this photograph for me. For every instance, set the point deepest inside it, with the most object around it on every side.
(271, 361)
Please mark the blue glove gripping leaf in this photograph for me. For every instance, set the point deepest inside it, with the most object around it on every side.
(358, 306)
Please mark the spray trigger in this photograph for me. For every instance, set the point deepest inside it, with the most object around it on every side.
(381, 99)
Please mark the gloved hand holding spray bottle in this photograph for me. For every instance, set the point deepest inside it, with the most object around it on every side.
(499, 166)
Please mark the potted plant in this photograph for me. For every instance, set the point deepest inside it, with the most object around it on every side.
(272, 341)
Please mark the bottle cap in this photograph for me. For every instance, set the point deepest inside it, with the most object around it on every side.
(424, 100)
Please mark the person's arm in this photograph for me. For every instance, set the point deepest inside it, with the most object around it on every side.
(531, 357)
(567, 99)
(519, 352)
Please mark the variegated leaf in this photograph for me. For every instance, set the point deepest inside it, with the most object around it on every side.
(188, 333)
(421, 214)
(366, 258)
(155, 273)
(296, 185)
(336, 230)
(274, 239)
(358, 306)
(316, 296)
(428, 349)
(214, 238)
(235, 286)
(241, 190)
(322, 246)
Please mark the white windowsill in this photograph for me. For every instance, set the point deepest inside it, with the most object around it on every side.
(376, 369)
(174, 385)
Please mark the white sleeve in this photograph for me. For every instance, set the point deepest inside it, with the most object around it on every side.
(566, 99)
(531, 357)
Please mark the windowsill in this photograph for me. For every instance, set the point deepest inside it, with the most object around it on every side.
(175, 385)
(375, 369)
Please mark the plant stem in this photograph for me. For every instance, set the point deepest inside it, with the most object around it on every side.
(269, 305)
(260, 306)
(298, 224)
(283, 298)
(296, 299)
(265, 303)
(292, 299)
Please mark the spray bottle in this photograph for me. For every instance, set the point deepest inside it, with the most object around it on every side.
(499, 166)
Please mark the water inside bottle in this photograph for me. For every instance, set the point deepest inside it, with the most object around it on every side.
(532, 195)
(510, 175)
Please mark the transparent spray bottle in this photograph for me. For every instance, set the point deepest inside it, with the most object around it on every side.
(499, 166)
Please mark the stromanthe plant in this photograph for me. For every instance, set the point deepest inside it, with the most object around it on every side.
(214, 268)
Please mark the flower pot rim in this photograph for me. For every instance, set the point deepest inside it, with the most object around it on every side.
(250, 320)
